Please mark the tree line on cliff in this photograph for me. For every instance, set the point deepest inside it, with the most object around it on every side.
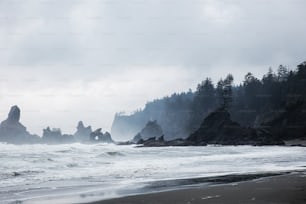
(249, 103)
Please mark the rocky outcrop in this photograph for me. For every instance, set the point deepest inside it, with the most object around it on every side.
(160, 142)
(54, 136)
(98, 136)
(218, 128)
(12, 131)
(83, 133)
(137, 139)
(152, 130)
(107, 138)
(152, 136)
(14, 115)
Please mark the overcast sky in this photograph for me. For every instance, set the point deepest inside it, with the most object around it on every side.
(63, 61)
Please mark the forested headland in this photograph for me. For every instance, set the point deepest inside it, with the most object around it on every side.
(279, 97)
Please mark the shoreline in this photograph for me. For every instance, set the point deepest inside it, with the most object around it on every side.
(279, 187)
(166, 169)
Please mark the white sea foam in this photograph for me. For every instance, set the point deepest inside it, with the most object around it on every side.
(78, 172)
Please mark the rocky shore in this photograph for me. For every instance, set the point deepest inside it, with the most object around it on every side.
(219, 129)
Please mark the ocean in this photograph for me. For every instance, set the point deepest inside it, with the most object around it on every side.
(78, 173)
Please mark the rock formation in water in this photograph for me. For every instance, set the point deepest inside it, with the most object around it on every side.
(98, 136)
(218, 128)
(151, 131)
(12, 131)
(54, 136)
(83, 133)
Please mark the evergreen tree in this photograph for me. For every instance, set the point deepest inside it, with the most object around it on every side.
(282, 73)
(224, 91)
(227, 91)
(205, 94)
(252, 89)
(219, 92)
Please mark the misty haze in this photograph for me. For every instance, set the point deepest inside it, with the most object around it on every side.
(152, 101)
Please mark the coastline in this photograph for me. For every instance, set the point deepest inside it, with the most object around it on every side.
(122, 172)
(279, 188)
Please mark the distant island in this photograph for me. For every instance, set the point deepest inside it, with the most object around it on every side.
(270, 111)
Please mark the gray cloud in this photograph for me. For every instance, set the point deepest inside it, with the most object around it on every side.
(105, 54)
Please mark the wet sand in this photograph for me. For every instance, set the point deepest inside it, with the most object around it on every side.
(289, 188)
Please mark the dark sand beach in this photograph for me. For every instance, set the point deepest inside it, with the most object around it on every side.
(288, 188)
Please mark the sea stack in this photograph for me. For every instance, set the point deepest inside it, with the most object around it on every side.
(83, 133)
(12, 131)
(152, 131)
(98, 136)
